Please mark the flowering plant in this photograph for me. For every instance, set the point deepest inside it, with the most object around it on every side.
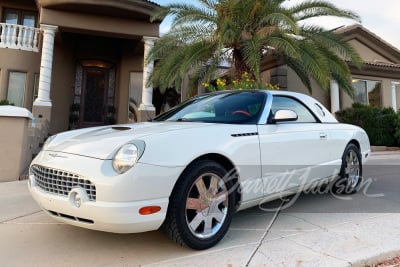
(245, 82)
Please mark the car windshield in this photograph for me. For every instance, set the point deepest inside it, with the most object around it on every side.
(243, 107)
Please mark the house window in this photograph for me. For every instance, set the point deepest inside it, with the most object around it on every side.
(16, 88)
(20, 17)
(368, 92)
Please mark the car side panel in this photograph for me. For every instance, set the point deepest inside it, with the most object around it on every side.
(292, 154)
(238, 143)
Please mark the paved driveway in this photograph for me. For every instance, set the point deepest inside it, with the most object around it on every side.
(318, 230)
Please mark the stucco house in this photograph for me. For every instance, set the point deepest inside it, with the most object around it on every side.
(77, 63)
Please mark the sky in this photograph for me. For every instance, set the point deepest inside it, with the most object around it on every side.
(380, 17)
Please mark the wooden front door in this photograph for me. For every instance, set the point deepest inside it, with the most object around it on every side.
(93, 97)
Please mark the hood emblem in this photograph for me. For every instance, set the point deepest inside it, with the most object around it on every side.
(55, 155)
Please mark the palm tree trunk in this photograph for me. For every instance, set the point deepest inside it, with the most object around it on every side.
(240, 65)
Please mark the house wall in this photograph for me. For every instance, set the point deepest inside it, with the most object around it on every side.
(295, 84)
(287, 79)
(18, 60)
(23, 61)
(20, 4)
(15, 153)
(113, 26)
(398, 96)
(366, 53)
(131, 61)
(62, 84)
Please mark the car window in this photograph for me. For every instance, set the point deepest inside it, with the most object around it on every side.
(227, 107)
(303, 113)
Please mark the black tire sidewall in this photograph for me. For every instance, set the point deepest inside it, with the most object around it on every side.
(178, 204)
(342, 181)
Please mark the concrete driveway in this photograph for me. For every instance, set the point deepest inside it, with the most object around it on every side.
(318, 230)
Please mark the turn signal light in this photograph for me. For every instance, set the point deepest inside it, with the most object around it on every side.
(149, 210)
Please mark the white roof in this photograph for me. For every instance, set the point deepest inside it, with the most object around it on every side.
(309, 101)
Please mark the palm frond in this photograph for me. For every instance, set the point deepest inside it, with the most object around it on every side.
(313, 9)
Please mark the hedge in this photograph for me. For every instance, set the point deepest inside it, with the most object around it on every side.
(381, 124)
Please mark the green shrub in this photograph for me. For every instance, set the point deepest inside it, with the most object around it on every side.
(5, 102)
(381, 124)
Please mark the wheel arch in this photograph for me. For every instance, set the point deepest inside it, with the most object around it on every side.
(355, 142)
(228, 166)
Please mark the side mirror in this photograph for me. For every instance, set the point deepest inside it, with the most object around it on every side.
(284, 115)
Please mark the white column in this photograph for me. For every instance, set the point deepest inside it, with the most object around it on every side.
(335, 103)
(394, 95)
(46, 66)
(147, 90)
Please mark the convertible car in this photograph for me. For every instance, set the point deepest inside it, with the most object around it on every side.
(188, 170)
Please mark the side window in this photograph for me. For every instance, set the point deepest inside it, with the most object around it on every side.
(283, 102)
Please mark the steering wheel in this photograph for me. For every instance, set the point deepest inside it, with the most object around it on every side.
(240, 111)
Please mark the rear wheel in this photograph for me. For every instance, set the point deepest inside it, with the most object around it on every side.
(201, 206)
(351, 171)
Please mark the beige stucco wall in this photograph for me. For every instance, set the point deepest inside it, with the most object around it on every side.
(292, 82)
(131, 61)
(113, 26)
(18, 60)
(62, 84)
(15, 152)
(398, 96)
(366, 53)
(29, 5)
(23, 61)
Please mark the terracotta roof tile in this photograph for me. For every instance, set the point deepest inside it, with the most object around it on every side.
(383, 64)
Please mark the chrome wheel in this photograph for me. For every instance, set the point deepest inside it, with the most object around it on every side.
(201, 206)
(350, 173)
(352, 169)
(206, 205)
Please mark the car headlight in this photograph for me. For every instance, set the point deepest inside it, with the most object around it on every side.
(127, 156)
(48, 141)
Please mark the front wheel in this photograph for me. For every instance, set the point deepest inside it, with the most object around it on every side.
(351, 171)
(201, 206)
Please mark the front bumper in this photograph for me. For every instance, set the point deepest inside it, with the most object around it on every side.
(118, 197)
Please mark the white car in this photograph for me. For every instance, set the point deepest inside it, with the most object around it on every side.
(192, 167)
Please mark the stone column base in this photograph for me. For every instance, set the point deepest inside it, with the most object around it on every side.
(146, 115)
(42, 115)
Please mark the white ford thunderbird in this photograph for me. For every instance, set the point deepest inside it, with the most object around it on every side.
(191, 168)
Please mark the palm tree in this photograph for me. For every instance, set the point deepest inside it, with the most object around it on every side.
(243, 32)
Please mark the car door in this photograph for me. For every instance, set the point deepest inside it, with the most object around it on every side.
(293, 153)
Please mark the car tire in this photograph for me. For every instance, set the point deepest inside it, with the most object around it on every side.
(201, 206)
(350, 175)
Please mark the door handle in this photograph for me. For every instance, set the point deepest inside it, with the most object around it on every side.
(323, 135)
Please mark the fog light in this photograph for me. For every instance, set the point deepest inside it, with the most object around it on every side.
(149, 210)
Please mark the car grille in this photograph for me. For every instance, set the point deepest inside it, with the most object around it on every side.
(60, 182)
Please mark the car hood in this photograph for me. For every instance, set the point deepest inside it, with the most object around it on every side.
(103, 142)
